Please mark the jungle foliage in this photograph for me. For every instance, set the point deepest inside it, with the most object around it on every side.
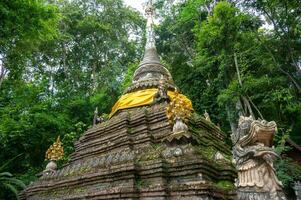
(61, 59)
(238, 58)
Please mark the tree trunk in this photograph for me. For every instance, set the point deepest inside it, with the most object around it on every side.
(232, 122)
(247, 100)
(3, 73)
(94, 82)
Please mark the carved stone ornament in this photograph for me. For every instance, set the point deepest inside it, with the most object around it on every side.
(219, 157)
(161, 96)
(97, 119)
(253, 156)
(178, 113)
(150, 69)
(297, 188)
(207, 117)
(54, 153)
(179, 126)
(50, 168)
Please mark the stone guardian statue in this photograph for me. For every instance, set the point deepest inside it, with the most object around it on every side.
(253, 157)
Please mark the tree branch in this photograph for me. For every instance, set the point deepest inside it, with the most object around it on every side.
(279, 68)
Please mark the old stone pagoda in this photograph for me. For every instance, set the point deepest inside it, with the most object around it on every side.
(154, 147)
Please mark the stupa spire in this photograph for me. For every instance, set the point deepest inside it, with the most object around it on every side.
(150, 34)
(150, 54)
(150, 70)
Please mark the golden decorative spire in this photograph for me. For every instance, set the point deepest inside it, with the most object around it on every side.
(55, 151)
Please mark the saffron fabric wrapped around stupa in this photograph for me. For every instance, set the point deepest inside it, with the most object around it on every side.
(153, 147)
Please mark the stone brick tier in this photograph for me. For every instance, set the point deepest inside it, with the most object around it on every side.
(126, 157)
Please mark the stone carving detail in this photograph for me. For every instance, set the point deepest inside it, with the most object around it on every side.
(161, 96)
(297, 188)
(146, 77)
(54, 153)
(207, 117)
(219, 157)
(144, 73)
(178, 113)
(179, 125)
(97, 119)
(150, 34)
(150, 68)
(50, 168)
(253, 157)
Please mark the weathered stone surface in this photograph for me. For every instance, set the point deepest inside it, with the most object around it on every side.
(129, 157)
(254, 156)
(125, 158)
(297, 188)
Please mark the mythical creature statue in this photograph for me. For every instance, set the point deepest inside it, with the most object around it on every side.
(253, 156)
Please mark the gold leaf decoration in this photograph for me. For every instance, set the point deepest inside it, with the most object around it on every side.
(55, 151)
(178, 108)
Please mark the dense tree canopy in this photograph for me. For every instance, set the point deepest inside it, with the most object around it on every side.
(61, 59)
(238, 58)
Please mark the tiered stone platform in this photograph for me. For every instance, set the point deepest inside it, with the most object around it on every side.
(136, 155)
(128, 157)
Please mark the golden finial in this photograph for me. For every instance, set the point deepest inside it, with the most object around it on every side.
(55, 151)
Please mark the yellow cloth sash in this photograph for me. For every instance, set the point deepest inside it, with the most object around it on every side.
(142, 98)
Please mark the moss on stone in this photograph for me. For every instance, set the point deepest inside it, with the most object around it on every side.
(156, 146)
(225, 185)
(140, 184)
(151, 153)
(207, 152)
